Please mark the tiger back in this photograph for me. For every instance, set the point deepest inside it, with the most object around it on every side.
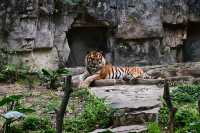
(94, 61)
(125, 73)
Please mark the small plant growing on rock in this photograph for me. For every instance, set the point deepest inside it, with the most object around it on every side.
(51, 77)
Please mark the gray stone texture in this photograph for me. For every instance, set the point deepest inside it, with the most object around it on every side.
(138, 32)
(135, 104)
(124, 129)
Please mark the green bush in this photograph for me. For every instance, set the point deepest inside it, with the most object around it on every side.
(50, 77)
(186, 93)
(187, 118)
(96, 114)
(12, 72)
(52, 105)
(16, 129)
(34, 123)
(163, 116)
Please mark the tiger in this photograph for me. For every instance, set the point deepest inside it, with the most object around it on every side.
(109, 71)
(94, 61)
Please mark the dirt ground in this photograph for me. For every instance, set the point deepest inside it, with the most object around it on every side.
(42, 100)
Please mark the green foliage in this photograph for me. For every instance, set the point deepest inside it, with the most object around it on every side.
(13, 103)
(186, 93)
(187, 118)
(51, 77)
(9, 72)
(12, 72)
(24, 110)
(52, 105)
(9, 99)
(16, 129)
(96, 114)
(2, 77)
(163, 116)
(3, 57)
(35, 123)
(30, 125)
(153, 127)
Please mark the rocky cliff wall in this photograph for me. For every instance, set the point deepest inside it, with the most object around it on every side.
(131, 32)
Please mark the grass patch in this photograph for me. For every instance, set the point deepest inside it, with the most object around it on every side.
(96, 114)
(153, 127)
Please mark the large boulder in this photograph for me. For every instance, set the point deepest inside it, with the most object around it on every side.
(136, 104)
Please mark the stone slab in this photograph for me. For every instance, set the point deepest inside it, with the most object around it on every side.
(137, 97)
(124, 129)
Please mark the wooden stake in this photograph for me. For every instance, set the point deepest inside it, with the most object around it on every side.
(171, 109)
(61, 112)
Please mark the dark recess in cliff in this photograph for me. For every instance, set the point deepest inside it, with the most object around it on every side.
(191, 51)
(84, 39)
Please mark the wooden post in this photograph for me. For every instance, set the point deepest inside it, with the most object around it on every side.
(61, 112)
(171, 109)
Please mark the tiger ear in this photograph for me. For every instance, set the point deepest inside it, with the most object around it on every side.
(87, 52)
(101, 52)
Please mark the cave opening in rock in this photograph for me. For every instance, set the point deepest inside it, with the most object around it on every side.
(84, 39)
(191, 49)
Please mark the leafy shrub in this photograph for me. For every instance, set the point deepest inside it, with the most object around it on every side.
(52, 105)
(16, 129)
(186, 93)
(185, 115)
(9, 72)
(187, 118)
(51, 77)
(163, 116)
(3, 57)
(13, 103)
(96, 114)
(34, 123)
(12, 72)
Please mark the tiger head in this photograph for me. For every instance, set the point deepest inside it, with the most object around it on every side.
(94, 61)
